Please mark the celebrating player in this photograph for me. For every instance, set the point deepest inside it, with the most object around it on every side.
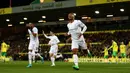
(33, 44)
(114, 46)
(74, 27)
(54, 46)
(123, 51)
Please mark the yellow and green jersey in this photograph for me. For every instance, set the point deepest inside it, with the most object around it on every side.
(123, 48)
(114, 46)
(4, 47)
(105, 51)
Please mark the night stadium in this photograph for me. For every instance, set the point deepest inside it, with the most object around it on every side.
(64, 36)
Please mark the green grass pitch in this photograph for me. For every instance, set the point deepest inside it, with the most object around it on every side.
(63, 67)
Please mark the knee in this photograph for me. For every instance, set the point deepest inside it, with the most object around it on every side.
(75, 51)
(51, 55)
(29, 53)
(33, 53)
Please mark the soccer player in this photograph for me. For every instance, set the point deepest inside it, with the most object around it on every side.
(33, 44)
(4, 48)
(105, 53)
(123, 51)
(54, 46)
(114, 46)
(76, 32)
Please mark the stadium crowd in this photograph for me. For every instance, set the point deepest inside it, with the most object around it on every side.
(95, 41)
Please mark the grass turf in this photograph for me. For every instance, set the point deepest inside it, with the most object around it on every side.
(63, 67)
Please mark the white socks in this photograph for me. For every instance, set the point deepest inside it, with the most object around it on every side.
(88, 51)
(33, 56)
(75, 58)
(53, 60)
(30, 57)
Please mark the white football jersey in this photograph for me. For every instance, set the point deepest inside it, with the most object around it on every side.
(33, 39)
(53, 40)
(75, 29)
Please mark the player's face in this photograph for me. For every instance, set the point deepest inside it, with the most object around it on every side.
(70, 16)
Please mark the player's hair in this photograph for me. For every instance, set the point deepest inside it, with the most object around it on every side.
(52, 32)
(72, 14)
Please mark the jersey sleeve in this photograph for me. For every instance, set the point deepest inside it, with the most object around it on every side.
(54, 41)
(48, 37)
(29, 31)
(110, 47)
(57, 40)
(81, 24)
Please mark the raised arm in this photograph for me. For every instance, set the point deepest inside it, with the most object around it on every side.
(110, 47)
(45, 35)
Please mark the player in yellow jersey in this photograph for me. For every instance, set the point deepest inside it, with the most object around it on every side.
(105, 53)
(114, 48)
(4, 48)
(123, 51)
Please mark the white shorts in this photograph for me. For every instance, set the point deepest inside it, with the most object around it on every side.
(33, 46)
(77, 44)
(37, 46)
(54, 49)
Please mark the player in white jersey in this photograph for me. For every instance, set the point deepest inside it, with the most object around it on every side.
(76, 32)
(33, 43)
(54, 46)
